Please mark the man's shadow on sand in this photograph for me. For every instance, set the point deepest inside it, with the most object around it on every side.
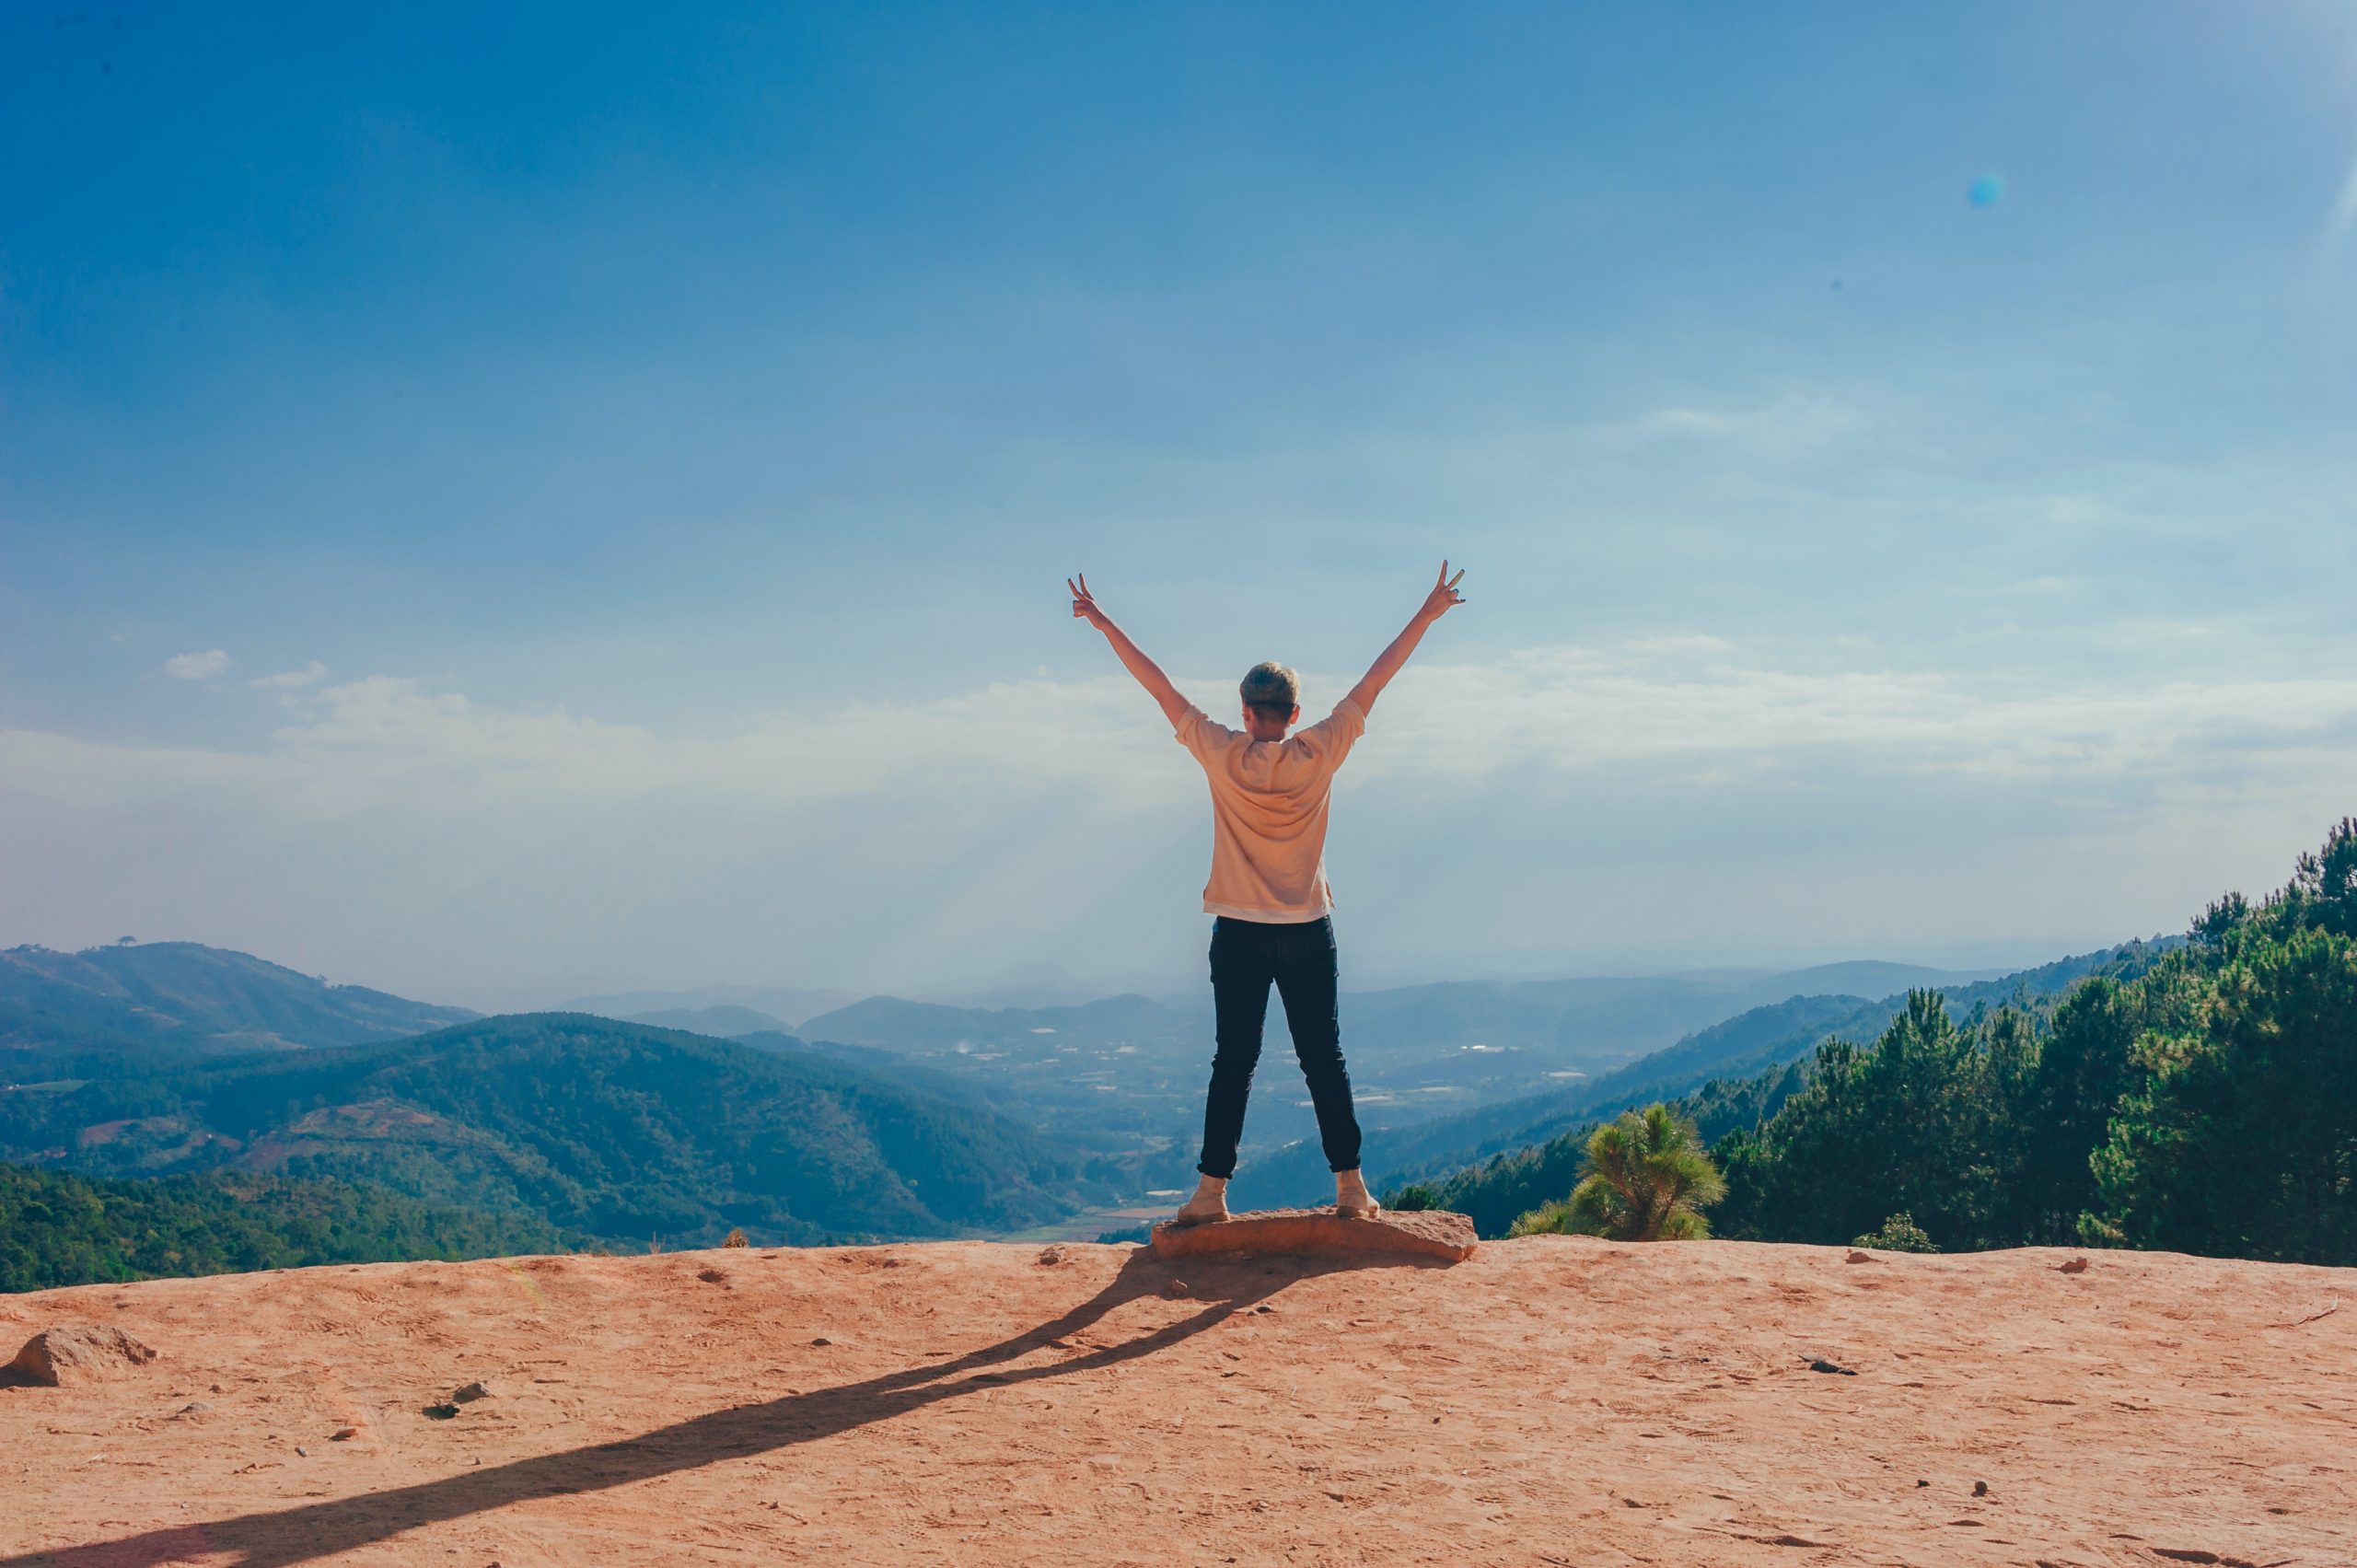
(303, 1534)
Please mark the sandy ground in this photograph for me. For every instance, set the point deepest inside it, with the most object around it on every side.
(1555, 1400)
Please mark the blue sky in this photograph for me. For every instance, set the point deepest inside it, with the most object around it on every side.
(572, 498)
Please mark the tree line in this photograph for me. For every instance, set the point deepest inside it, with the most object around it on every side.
(62, 1229)
(2207, 1104)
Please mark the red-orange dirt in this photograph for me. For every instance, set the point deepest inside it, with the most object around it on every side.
(1552, 1400)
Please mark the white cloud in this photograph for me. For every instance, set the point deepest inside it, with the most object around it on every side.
(1575, 708)
(1790, 425)
(1692, 701)
(310, 674)
(196, 667)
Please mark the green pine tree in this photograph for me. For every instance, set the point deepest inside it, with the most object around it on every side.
(1648, 1179)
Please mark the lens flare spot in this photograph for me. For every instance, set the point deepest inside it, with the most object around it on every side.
(1987, 191)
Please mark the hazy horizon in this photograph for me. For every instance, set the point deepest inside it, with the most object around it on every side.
(1028, 989)
(552, 501)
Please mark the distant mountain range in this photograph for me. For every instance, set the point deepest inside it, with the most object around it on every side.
(173, 1001)
(926, 1026)
(1122, 1078)
(169, 1002)
(704, 1110)
(724, 1021)
(597, 1128)
(1752, 1042)
(785, 1006)
(1579, 1023)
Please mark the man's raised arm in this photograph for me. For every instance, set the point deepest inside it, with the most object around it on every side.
(1437, 603)
(1133, 659)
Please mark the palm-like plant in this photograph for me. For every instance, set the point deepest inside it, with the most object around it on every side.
(1647, 1179)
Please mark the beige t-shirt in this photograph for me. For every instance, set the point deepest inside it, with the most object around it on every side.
(1269, 814)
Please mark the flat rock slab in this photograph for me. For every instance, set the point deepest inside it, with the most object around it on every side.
(1429, 1233)
(64, 1357)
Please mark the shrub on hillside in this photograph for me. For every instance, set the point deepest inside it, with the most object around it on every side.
(1898, 1234)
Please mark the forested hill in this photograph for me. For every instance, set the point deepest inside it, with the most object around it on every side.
(59, 1229)
(1750, 1044)
(156, 1003)
(2199, 1096)
(1728, 1076)
(606, 1129)
(1766, 1037)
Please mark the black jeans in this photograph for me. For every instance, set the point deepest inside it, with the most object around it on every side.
(1246, 955)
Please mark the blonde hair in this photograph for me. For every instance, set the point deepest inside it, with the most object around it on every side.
(1271, 689)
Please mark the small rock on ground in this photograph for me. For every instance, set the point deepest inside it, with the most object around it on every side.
(64, 1357)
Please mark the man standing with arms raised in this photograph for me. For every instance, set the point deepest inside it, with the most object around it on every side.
(1274, 910)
